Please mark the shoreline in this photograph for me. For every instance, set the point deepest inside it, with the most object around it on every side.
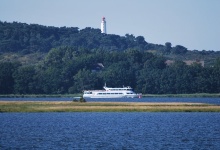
(63, 106)
(195, 95)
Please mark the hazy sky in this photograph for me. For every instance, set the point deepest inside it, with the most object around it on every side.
(194, 24)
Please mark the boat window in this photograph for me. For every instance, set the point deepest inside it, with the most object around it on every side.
(87, 92)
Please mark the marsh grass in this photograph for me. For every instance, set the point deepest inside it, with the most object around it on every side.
(46, 106)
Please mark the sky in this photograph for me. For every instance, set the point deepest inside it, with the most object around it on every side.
(194, 24)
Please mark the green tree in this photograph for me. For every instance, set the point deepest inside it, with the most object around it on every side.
(178, 49)
(168, 47)
(119, 74)
(6, 77)
(24, 80)
(85, 80)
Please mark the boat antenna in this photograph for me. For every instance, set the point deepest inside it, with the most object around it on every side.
(105, 84)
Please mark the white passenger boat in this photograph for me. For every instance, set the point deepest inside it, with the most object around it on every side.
(108, 92)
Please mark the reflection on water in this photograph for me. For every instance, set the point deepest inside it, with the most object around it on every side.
(109, 130)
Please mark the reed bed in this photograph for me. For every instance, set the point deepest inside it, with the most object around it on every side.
(48, 106)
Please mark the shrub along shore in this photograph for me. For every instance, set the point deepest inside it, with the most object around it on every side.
(60, 106)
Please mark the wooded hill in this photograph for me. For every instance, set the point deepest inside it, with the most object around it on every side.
(36, 59)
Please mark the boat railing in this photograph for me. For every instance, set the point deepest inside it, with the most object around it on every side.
(94, 90)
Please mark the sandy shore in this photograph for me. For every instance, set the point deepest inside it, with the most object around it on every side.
(48, 106)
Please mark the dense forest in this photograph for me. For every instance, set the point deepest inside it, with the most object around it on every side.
(75, 60)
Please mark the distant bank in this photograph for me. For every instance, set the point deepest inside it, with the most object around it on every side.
(144, 95)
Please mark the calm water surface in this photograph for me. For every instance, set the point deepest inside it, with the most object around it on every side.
(152, 99)
(110, 131)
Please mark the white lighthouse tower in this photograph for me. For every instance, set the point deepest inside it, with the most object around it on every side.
(103, 26)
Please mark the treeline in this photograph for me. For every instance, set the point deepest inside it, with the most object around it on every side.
(24, 39)
(84, 59)
(71, 70)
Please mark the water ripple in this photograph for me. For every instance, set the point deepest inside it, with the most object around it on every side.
(109, 131)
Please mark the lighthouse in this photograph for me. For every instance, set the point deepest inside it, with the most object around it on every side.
(103, 26)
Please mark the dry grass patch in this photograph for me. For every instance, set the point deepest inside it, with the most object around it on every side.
(63, 106)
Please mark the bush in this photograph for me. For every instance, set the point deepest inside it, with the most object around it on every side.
(82, 100)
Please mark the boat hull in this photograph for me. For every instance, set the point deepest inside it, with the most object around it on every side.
(111, 96)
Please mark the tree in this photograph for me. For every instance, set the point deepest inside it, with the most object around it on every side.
(168, 47)
(134, 56)
(85, 80)
(24, 80)
(119, 74)
(155, 63)
(179, 49)
(6, 77)
(215, 76)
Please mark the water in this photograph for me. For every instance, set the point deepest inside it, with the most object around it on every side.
(110, 131)
(152, 99)
(161, 99)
